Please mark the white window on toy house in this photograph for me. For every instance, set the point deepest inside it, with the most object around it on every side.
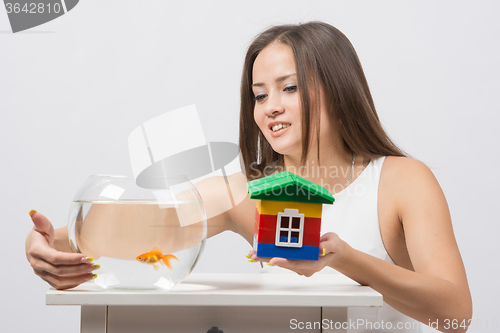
(290, 228)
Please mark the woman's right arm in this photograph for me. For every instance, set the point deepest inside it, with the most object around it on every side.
(47, 252)
(224, 202)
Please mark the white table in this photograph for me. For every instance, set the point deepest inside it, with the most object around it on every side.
(232, 302)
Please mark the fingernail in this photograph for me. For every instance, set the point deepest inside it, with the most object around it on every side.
(270, 264)
(324, 251)
(86, 259)
(94, 276)
(251, 260)
(95, 267)
(248, 256)
(32, 212)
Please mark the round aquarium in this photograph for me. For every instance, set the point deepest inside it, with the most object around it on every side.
(146, 236)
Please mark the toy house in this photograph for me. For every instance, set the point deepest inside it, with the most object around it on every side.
(288, 216)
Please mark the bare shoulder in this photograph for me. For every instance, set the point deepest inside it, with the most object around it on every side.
(411, 184)
(406, 167)
(405, 175)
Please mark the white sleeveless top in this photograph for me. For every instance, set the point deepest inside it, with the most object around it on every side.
(354, 217)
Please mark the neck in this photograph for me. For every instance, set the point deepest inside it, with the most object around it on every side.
(332, 171)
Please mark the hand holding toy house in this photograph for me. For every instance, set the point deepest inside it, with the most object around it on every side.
(288, 216)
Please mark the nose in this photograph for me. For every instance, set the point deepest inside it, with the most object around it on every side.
(274, 106)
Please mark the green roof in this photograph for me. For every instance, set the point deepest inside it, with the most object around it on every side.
(286, 186)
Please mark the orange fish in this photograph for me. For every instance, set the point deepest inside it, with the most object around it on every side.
(156, 256)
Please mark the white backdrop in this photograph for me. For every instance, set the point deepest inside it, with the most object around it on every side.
(73, 89)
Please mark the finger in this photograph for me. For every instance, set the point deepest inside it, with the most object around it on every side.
(55, 257)
(306, 268)
(300, 267)
(41, 266)
(323, 249)
(250, 253)
(253, 257)
(42, 224)
(65, 282)
(281, 262)
(328, 244)
(328, 236)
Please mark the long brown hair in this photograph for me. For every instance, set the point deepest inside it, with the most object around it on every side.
(325, 58)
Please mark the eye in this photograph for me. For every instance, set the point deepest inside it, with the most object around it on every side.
(290, 89)
(260, 97)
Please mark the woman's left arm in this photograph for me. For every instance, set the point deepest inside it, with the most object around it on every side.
(437, 289)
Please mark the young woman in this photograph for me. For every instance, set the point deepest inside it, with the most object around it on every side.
(306, 107)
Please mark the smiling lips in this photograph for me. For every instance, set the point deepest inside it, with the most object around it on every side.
(278, 129)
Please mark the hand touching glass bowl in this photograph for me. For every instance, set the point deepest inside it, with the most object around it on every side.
(146, 237)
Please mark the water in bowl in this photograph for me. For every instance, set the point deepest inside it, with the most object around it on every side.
(116, 233)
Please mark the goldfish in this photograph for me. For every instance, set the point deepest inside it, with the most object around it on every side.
(156, 256)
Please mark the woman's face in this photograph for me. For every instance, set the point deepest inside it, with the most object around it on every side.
(277, 109)
(277, 100)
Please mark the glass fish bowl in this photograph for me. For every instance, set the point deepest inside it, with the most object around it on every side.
(144, 236)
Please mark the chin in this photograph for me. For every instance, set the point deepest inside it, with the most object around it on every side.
(283, 150)
(285, 146)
